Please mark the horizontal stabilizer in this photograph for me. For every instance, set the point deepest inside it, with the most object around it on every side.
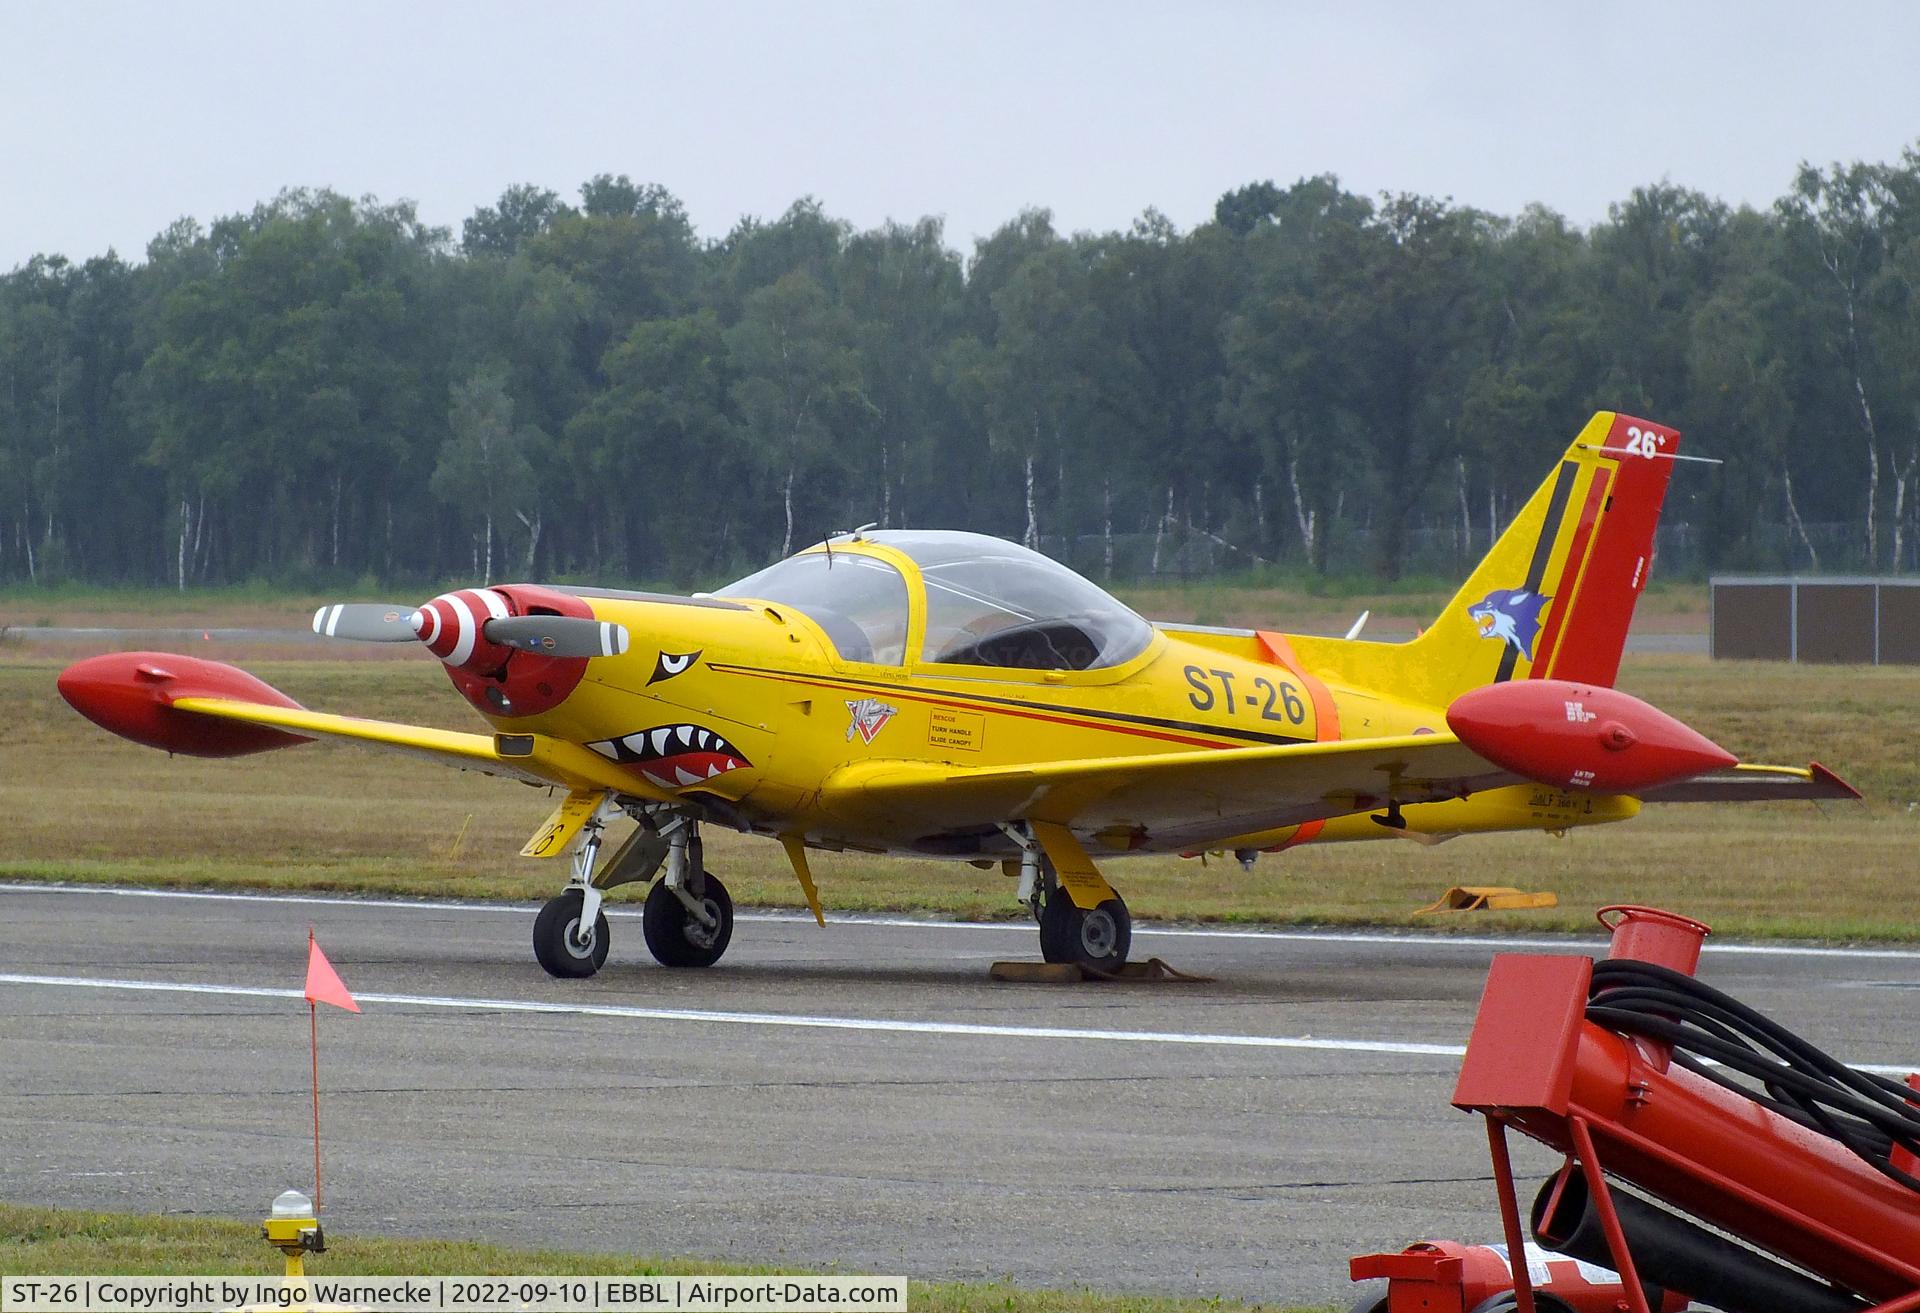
(1756, 783)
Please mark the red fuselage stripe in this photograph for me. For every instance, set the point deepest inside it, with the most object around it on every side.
(1326, 722)
(958, 702)
(1326, 712)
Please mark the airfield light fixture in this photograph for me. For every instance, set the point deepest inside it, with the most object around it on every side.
(293, 1229)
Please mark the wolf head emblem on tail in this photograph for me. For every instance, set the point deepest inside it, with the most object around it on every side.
(1510, 615)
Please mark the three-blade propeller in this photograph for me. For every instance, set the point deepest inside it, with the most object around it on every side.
(544, 635)
(559, 635)
(368, 622)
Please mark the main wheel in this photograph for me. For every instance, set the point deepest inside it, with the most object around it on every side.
(1097, 938)
(560, 946)
(676, 937)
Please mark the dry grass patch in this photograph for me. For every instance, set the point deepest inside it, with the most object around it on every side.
(1326, 606)
(1329, 607)
(63, 1241)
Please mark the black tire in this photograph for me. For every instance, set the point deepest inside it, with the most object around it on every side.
(1371, 1301)
(1098, 939)
(555, 944)
(675, 937)
(1506, 1301)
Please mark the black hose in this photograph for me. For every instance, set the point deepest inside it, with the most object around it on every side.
(1673, 1252)
(1721, 1039)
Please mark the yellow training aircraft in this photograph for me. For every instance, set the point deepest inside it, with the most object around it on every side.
(951, 695)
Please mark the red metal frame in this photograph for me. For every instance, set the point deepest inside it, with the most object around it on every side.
(1609, 1219)
(1510, 1213)
(1613, 1105)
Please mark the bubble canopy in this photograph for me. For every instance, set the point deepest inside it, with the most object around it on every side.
(987, 602)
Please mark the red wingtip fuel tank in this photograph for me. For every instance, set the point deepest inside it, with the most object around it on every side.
(1581, 736)
(132, 693)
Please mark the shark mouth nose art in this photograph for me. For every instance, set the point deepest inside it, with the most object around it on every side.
(674, 756)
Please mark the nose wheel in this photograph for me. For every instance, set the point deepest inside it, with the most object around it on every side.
(560, 943)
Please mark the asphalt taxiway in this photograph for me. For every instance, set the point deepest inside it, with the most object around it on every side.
(859, 1097)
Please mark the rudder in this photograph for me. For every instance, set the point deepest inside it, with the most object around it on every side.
(1554, 596)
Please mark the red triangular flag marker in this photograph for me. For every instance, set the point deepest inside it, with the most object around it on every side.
(323, 982)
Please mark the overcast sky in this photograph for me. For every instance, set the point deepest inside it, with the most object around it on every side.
(116, 119)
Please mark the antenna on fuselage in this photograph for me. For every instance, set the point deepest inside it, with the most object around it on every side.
(1649, 455)
(851, 535)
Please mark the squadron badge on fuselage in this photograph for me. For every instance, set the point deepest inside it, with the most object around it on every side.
(870, 716)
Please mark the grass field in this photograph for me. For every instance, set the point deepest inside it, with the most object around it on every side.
(59, 1241)
(81, 805)
(1302, 605)
(1330, 606)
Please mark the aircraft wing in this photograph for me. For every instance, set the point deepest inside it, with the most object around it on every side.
(1172, 797)
(534, 758)
(1757, 783)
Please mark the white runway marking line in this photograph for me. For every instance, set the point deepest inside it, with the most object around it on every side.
(1564, 944)
(797, 1021)
(801, 1021)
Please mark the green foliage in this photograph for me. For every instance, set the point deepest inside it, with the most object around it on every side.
(324, 390)
(485, 470)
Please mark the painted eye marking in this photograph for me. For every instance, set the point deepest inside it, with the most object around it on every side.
(670, 664)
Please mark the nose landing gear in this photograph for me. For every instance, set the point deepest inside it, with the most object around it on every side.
(559, 941)
(570, 938)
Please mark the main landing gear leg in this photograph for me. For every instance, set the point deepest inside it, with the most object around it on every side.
(1083, 920)
(688, 918)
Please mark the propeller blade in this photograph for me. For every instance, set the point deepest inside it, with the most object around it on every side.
(559, 635)
(370, 622)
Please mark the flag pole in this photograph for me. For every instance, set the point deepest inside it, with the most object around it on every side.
(313, 1027)
(323, 986)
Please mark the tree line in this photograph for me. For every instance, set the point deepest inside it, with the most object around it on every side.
(328, 390)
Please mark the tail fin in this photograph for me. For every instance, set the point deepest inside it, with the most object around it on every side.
(1555, 595)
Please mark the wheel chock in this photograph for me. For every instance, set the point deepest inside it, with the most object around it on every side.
(1072, 973)
(1489, 898)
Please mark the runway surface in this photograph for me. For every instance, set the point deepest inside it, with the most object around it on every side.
(859, 1096)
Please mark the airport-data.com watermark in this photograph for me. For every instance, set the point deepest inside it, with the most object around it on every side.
(477, 1294)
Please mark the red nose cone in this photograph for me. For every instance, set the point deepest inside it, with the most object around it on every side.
(501, 681)
(1578, 736)
(131, 694)
(451, 625)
